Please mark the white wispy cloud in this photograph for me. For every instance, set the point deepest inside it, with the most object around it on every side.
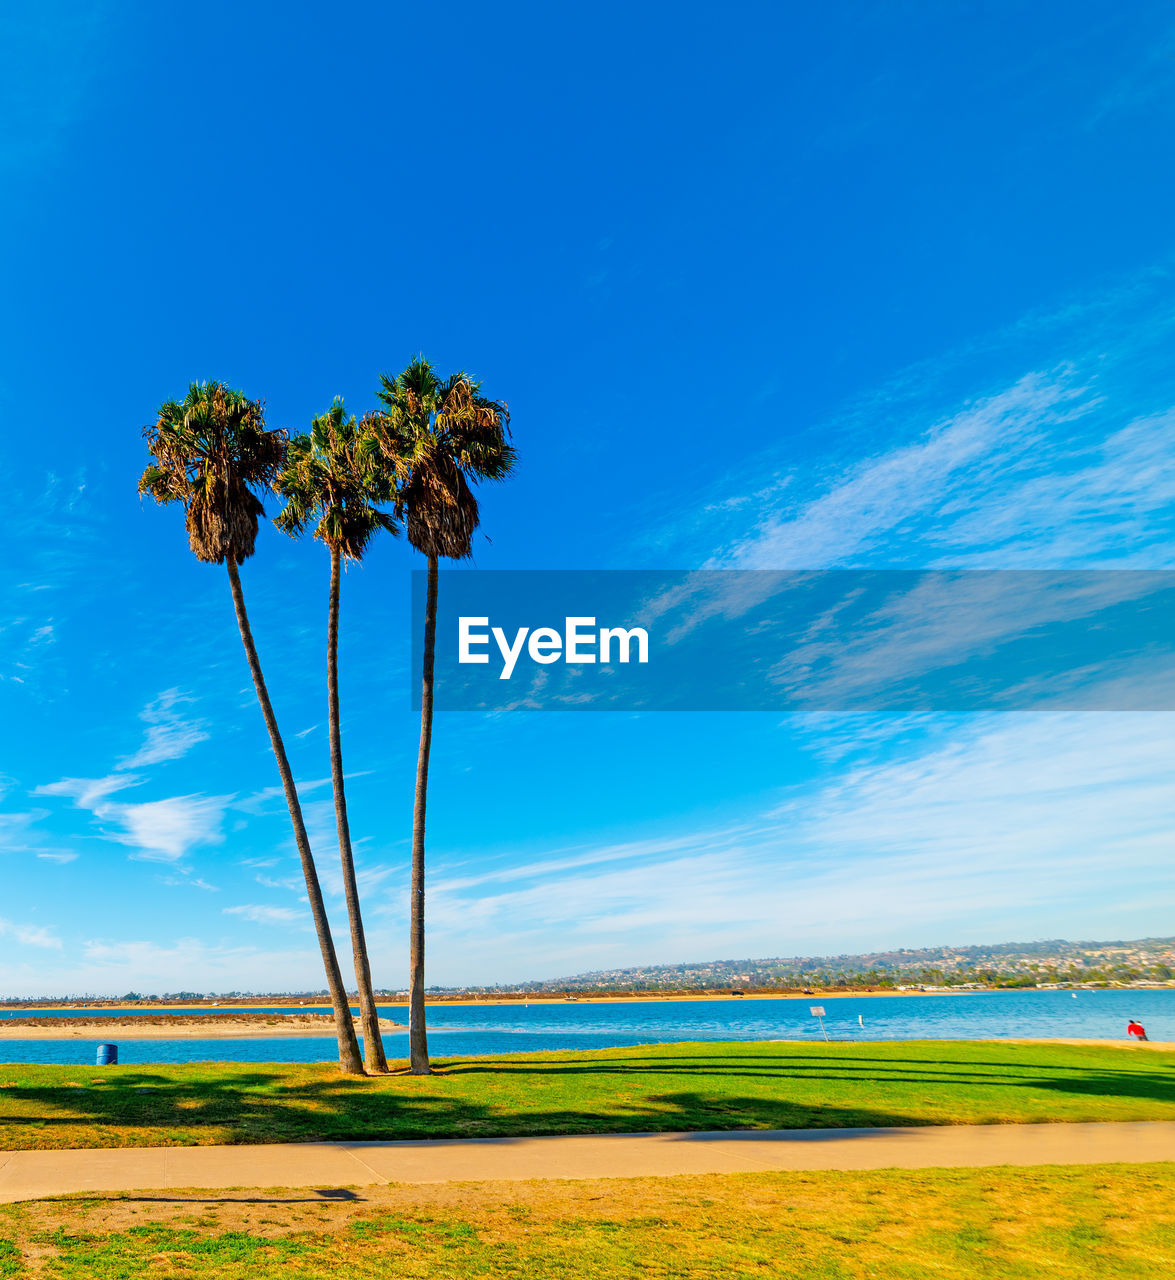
(158, 830)
(88, 793)
(1047, 444)
(21, 831)
(49, 533)
(18, 830)
(163, 830)
(1102, 501)
(1070, 465)
(291, 884)
(185, 963)
(270, 800)
(860, 509)
(917, 628)
(945, 830)
(167, 830)
(991, 789)
(189, 882)
(263, 914)
(1014, 481)
(170, 735)
(368, 876)
(559, 863)
(29, 935)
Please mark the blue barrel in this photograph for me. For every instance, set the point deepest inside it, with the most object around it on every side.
(107, 1055)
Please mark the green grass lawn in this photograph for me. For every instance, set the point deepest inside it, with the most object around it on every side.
(1085, 1223)
(666, 1087)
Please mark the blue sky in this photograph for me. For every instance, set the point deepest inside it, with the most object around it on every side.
(766, 287)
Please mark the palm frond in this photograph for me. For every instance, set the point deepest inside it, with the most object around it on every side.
(333, 484)
(437, 437)
(211, 451)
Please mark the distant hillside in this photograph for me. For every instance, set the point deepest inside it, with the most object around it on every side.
(1002, 964)
(1012, 963)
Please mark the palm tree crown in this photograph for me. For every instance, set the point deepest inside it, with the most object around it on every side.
(438, 436)
(211, 451)
(329, 482)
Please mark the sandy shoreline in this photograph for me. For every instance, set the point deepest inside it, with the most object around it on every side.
(182, 1029)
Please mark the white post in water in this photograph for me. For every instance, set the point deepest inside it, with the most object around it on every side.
(817, 1011)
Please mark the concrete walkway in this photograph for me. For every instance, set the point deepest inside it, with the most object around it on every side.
(31, 1175)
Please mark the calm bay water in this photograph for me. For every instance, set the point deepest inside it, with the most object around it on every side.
(465, 1032)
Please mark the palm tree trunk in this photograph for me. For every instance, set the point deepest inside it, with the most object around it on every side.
(349, 1060)
(417, 1039)
(373, 1049)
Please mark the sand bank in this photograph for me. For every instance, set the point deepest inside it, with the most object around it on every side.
(172, 1027)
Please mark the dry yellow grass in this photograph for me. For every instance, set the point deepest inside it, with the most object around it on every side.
(1075, 1223)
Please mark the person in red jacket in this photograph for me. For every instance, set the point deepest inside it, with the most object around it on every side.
(1135, 1030)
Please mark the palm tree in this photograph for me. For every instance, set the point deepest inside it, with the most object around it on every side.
(330, 484)
(437, 436)
(211, 452)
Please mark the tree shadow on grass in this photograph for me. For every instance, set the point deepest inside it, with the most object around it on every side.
(310, 1113)
(866, 1058)
(573, 1093)
(1154, 1079)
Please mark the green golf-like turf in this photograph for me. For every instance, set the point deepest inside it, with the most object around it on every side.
(664, 1087)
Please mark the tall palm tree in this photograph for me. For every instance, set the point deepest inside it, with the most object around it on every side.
(437, 437)
(329, 485)
(211, 451)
